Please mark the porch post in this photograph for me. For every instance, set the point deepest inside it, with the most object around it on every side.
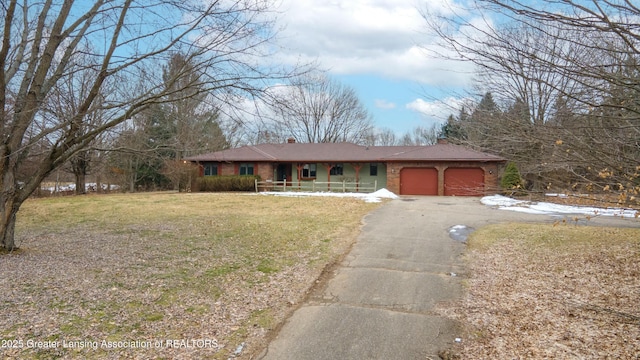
(357, 168)
(299, 167)
(329, 167)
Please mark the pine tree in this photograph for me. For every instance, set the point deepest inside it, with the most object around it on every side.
(511, 181)
(452, 130)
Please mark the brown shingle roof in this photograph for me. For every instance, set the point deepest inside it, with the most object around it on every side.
(437, 152)
(345, 152)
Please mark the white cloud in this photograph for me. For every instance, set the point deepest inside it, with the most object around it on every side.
(438, 110)
(384, 104)
(381, 37)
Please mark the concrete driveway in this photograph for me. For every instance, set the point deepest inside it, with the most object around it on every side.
(379, 302)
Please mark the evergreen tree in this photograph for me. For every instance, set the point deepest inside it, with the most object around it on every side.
(452, 130)
(163, 134)
(484, 126)
(511, 181)
(190, 121)
(518, 113)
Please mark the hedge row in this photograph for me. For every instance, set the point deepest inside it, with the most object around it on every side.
(227, 183)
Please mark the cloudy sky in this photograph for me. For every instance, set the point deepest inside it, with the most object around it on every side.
(378, 48)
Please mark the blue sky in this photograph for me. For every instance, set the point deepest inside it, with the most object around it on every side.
(378, 47)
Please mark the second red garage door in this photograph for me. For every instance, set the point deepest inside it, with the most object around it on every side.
(464, 181)
(419, 181)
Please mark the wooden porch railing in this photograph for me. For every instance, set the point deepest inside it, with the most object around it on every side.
(313, 186)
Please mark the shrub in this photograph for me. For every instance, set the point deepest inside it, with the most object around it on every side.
(227, 183)
(511, 181)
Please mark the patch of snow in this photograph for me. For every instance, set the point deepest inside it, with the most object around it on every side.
(384, 194)
(239, 349)
(367, 197)
(457, 227)
(499, 200)
(544, 208)
(563, 196)
(72, 187)
(460, 232)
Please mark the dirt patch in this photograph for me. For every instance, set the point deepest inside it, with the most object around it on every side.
(544, 291)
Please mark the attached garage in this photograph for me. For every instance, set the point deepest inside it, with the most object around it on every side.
(419, 181)
(437, 170)
(464, 181)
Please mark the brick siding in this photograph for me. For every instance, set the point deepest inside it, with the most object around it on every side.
(491, 170)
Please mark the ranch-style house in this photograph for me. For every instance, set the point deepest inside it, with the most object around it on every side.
(440, 169)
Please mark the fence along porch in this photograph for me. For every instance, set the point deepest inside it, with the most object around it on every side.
(314, 186)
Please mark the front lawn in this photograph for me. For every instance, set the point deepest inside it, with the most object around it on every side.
(539, 291)
(164, 275)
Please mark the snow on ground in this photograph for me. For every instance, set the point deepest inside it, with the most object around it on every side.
(367, 197)
(533, 207)
(72, 187)
(460, 232)
(499, 201)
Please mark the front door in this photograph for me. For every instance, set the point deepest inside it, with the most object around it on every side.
(283, 172)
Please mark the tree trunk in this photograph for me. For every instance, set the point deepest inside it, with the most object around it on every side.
(81, 187)
(9, 206)
(8, 225)
(132, 176)
(79, 165)
(98, 183)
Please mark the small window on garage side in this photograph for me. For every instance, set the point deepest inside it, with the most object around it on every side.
(210, 169)
(246, 169)
(336, 169)
(373, 169)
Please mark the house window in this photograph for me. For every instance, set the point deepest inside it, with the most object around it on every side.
(309, 171)
(336, 169)
(210, 169)
(373, 169)
(246, 169)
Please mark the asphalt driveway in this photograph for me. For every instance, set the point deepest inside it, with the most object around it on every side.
(379, 302)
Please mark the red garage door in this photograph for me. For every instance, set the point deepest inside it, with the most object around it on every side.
(419, 181)
(464, 181)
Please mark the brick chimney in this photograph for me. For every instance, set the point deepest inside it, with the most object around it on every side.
(291, 140)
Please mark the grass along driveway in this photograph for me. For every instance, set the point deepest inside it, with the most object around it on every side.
(539, 291)
(164, 275)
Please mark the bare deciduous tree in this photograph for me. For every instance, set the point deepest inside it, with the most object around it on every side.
(420, 136)
(574, 67)
(316, 109)
(225, 40)
(382, 137)
(63, 102)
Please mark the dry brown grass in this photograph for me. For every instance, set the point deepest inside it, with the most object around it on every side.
(164, 266)
(551, 292)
